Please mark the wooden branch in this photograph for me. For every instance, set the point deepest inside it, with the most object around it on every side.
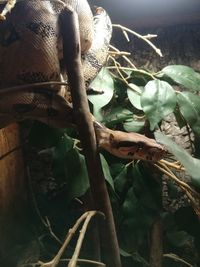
(74, 260)
(71, 48)
(156, 245)
(13, 194)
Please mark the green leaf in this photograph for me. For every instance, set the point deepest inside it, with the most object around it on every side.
(192, 165)
(189, 105)
(76, 174)
(183, 75)
(116, 168)
(134, 125)
(134, 95)
(117, 115)
(179, 118)
(105, 83)
(179, 238)
(158, 100)
(121, 180)
(140, 77)
(70, 165)
(135, 256)
(106, 172)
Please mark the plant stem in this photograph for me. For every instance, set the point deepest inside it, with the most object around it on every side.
(144, 38)
(156, 246)
(74, 259)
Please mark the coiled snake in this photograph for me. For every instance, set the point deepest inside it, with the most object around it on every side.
(31, 52)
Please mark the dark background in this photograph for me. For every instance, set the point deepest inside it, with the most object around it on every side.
(145, 13)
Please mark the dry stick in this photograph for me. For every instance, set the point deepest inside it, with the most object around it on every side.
(177, 258)
(179, 182)
(119, 53)
(124, 57)
(99, 264)
(156, 245)
(35, 206)
(9, 6)
(173, 165)
(135, 70)
(84, 122)
(56, 259)
(90, 262)
(118, 70)
(144, 38)
(185, 187)
(74, 258)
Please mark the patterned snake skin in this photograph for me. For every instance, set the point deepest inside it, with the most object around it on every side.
(31, 52)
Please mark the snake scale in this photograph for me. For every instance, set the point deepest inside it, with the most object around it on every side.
(31, 52)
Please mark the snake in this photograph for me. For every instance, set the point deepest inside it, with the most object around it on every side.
(31, 57)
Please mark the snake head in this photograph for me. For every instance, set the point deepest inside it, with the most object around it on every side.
(129, 145)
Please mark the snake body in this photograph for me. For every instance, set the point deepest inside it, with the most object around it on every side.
(31, 52)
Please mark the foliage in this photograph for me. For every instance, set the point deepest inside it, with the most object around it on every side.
(130, 104)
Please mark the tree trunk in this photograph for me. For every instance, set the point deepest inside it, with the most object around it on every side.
(12, 190)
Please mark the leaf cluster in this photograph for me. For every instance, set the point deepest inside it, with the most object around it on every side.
(134, 101)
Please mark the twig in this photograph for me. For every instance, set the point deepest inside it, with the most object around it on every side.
(117, 65)
(126, 35)
(150, 36)
(9, 6)
(173, 165)
(178, 181)
(119, 53)
(72, 231)
(46, 222)
(144, 38)
(74, 258)
(135, 70)
(91, 262)
(124, 57)
(177, 258)
(191, 193)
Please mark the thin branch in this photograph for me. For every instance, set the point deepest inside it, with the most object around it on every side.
(117, 65)
(119, 53)
(190, 192)
(126, 35)
(150, 36)
(144, 38)
(173, 165)
(46, 222)
(72, 231)
(9, 6)
(179, 182)
(177, 258)
(135, 70)
(90, 262)
(75, 256)
(124, 57)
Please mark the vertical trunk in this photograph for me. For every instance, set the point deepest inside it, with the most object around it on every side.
(156, 251)
(12, 189)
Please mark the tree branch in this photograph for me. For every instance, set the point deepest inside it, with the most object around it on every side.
(156, 246)
(69, 28)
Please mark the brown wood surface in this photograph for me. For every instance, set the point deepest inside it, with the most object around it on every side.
(12, 188)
